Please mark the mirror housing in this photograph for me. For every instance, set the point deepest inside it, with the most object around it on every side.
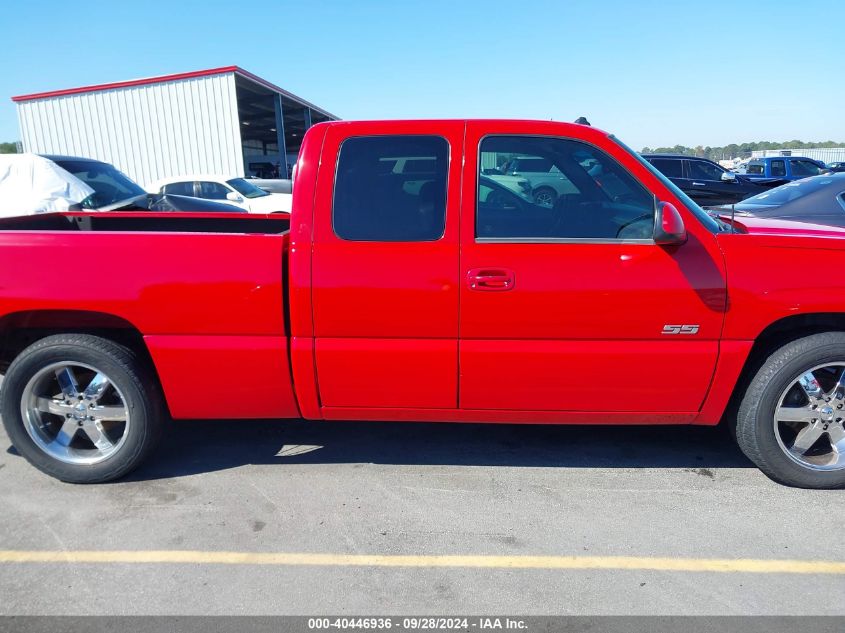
(233, 196)
(669, 229)
(728, 176)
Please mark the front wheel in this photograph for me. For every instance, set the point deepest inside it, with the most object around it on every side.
(81, 408)
(791, 420)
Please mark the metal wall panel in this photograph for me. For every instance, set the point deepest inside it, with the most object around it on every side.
(149, 131)
(825, 154)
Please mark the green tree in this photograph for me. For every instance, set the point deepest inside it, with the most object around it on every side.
(8, 148)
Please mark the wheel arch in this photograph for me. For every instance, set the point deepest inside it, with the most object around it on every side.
(772, 337)
(19, 330)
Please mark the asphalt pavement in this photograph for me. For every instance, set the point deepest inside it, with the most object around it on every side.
(373, 510)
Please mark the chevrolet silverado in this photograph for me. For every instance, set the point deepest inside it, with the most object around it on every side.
(418, 295)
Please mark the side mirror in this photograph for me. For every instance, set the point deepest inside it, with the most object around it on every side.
(669, 226)
(728, 176)
(234, 197)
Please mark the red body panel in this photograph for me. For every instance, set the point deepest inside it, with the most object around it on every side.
(457, 329)
(224, 376)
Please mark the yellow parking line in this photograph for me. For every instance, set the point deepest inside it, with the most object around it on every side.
(721, 565)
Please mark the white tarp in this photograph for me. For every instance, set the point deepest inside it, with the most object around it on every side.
(30, 184)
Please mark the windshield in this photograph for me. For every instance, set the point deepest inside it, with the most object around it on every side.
(246, 189)
(109, 184)
(688, 202)
(788, 192)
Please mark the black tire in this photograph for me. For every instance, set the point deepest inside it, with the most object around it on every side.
(545, 193)
(755, 431)
(128, 374)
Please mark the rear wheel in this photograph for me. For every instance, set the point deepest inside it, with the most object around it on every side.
(791, 421)
(545, 196)
(81, 408)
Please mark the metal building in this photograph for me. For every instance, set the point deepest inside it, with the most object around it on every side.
(824, 154)
(221, 121)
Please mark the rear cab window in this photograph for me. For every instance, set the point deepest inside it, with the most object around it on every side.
(391, 189)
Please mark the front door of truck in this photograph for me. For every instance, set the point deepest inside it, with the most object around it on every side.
(574, 307)
(384, 267)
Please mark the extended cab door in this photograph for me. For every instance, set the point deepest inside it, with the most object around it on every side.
(574, 307)
(384, 266)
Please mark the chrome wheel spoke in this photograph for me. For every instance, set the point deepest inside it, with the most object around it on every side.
(115, 413)
(49, 405)
(794, 414)
(97, 387)
(67, 381)
(806, 437)
(837, 439)
(96, 433)
(67, 432)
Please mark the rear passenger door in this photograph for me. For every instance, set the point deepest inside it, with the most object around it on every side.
(384, 267)
(185, 188)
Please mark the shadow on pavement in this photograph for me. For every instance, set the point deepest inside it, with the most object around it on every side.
(192, 447)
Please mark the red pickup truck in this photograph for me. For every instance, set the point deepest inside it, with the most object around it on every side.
(413, 284)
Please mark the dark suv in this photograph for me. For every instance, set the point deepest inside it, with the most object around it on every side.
(706, 182)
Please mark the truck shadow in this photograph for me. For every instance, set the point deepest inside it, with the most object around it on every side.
(192, 447)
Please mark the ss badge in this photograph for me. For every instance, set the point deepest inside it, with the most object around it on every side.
(680, 329)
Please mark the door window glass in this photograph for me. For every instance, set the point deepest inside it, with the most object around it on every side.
(212, 191)
(179, 189)
(391, 189)
(596, 198)
(669, 167)
(778, 168)
(804, 168)
(702, 170)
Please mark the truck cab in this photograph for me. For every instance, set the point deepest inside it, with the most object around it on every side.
(786, 168)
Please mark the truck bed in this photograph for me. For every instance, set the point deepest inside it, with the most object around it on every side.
(206, 293)
(147, 221)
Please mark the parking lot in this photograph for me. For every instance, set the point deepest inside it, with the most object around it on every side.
(320, 514)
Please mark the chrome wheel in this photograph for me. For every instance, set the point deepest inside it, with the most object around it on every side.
(73, 424)
(810, 416)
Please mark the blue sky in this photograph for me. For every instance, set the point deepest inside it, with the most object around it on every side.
(654, 73)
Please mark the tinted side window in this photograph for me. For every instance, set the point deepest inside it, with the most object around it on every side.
(212, 191)
(598, 199)
(377, 205)
(804, 168)
(778, 168)
(179, 189)
(669, 167)
(755, 169)
(702, 170)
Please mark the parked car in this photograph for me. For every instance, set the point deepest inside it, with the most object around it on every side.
(783, 167)
(235, 191)
(408, 296)
(836, 167)
(546, 180)
(707, 182)
(817, 199)
(32, 183)
(273, 185)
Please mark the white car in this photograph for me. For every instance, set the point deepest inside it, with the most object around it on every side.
(235, 191)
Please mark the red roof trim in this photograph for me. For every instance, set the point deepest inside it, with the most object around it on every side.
(137, 82)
